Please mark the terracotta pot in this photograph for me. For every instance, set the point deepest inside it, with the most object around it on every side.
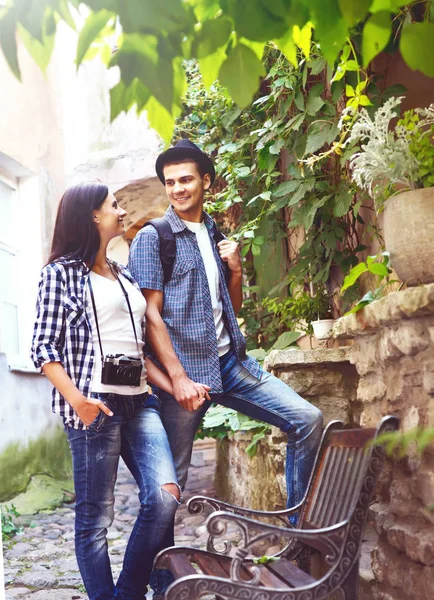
(322, 328)
(409, 235)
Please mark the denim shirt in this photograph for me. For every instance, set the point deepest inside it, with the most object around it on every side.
(187, 309)
(62, 331)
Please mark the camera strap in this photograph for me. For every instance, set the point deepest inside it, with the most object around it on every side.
(125, 293)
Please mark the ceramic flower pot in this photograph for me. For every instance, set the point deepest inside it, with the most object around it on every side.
(409, 235)
(322, 328)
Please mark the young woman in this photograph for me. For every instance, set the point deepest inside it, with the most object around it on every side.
(88, 340)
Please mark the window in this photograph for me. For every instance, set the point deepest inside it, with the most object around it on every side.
(9, 334)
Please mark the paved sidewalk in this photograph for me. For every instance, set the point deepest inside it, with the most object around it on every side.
(40, 562)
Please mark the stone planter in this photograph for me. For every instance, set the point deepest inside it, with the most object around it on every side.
(322, 328)
(409, 235)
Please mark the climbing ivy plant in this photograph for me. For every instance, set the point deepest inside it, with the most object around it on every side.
(227, 37)
(284, 161)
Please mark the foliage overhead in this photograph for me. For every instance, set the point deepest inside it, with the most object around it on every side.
(227, 37)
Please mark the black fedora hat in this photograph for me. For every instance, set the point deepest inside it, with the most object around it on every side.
(181, 150)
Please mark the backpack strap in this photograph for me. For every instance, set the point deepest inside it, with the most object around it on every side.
(167, 245)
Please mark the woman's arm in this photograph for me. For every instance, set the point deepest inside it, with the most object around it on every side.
(87, 409)
(157, 377)
(48, 340)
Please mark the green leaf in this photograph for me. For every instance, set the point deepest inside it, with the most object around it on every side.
(277, 146)
(205, 9)
(331, 29)
(64, 12)
(258, 353)
(179, 82)
(95, 23)
(378, 269)
(313, 104)
(389, 5)
(40, 51)
(167, 16)
(122, 98)
(240, 74)
(319, 134)
(286, 339)
(140, 56)
(354, 10)
(353, 275)
(364, 101)
(210, 67)
(257, 47)
(302, 37)
(8, 43)
(317, 66)
(376, 35)
(217, 415)
(117, 95)
(305, 214)
(234, 422)
(213, 35)
(303, 188)
(256, 250)
(425, 438)
(258, 20)
(287, 46)
(351, 65)
(342, 203)
(417, 47)
(252, 447)
(160, 119)
(285, 188)
(349, 91)
(299, 99)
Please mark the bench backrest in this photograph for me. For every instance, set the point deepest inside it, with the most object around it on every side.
(346, 468)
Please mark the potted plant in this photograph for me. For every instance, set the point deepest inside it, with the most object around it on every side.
(304, 312)
(396, 167)
(322, 325)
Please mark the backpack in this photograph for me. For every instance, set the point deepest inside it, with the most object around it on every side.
(168, 245)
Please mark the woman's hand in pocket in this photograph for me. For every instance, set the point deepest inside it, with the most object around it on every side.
(88, 409)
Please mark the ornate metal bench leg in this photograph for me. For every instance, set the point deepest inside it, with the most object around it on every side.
(350, 585)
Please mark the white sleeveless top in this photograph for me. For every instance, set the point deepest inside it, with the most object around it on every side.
(116, 329)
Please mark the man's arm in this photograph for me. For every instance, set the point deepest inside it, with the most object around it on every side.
(230, 253)
(188, 393)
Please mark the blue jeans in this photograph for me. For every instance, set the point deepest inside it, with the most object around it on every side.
(267, 399)
(136, 433)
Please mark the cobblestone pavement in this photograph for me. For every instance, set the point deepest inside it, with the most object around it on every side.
(40, 564)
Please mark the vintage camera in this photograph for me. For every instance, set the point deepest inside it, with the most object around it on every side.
(118, 369)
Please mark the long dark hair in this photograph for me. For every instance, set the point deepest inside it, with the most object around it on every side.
(75, 233)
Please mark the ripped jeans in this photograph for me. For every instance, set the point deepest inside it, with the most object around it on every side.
(135, 433)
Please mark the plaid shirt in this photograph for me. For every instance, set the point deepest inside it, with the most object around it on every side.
(62, 331)
(187, 309)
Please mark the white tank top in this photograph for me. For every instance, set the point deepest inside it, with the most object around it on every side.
(212, 274)
(116, 329)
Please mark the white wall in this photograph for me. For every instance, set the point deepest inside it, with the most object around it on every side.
(25, 406)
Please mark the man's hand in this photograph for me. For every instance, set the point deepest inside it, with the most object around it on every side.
(88, 409)
(230, 253)
(189, 394)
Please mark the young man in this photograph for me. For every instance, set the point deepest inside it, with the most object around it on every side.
(192, 327)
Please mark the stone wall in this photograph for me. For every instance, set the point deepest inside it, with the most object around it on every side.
(325, 378)
(394, 356)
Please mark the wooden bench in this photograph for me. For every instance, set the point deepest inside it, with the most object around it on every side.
(332, 518)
